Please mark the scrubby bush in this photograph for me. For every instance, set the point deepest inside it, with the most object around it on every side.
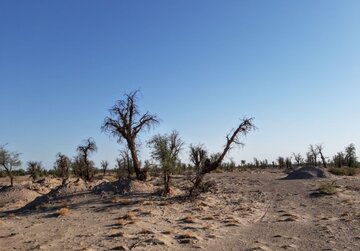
(35, 169)
(345, 171)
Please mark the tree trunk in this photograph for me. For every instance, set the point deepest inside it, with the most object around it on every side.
(323, 160)
(166, 182)
(140, 175)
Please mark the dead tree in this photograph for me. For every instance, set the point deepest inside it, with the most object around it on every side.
(319, 149)
(233, 138)
(84, 151)
(9, 160)
(314, 153)
(104, 165)
(125, 123)
(127, 162)
(298, 158)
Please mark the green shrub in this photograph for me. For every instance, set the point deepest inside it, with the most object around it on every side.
(346, 171)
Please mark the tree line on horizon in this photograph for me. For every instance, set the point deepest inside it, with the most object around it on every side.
(125, 123)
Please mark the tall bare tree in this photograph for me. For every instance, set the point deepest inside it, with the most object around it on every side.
(9, 160)
(127, 162)
(319, 149)
(125, 123)
(233, 138)
(84, 150)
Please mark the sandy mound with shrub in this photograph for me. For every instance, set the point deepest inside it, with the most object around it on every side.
(125, 187)
(307, 173)
(70, 186)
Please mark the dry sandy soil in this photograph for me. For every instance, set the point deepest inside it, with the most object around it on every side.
(249, 210)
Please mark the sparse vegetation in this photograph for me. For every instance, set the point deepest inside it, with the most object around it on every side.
(345, 171)
(9, 161)
(83, 167)
(35, 169)
(63, 211)
(327, 188)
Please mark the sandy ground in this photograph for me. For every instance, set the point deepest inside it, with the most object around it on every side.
(250, 210)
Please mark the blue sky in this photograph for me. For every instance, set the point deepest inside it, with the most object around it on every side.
(200, 65)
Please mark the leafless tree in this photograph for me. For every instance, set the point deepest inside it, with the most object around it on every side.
(125, 123)
(198, 155)
(104, 165)
(319, 149)
(84, 150)
(127, 162)
(166, 149)
(9, 160)
(233, 138)
(314, 152)
(298, 158)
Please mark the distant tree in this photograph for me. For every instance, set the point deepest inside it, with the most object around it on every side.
(127, 162)
(84, 150)
(243, 162)
(125, 123)
(298, 158)
(281, 162)
(166, 149)
(256, 162)
(350, 155)
(288, 162)
(319, 149)
(62, 166)
(104, 166)
(35, 169)
(198, 155)
(339, 159)
(9, 161)
(314, 152)
(233, 138)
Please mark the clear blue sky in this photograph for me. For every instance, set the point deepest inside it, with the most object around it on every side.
(201, 66)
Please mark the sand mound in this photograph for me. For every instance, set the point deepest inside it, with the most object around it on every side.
(307, 173)
(125, 187)
(16, 196)
(44, 185)
(71, 186)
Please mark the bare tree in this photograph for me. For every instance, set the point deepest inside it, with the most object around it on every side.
(125, 123)
(62, 166)
(233, 138)
(127, 162)
(319, 149)
(166, 149)
(104, 165)
(9, 160)
(298, 158)
(84, 150)
(314, 152)
(198, 155)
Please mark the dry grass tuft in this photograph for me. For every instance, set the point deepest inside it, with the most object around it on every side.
(145, 232)
(129, 216)
(327, 188)
(186, 235)
(188, 219)
(122, 201)
(63, 211)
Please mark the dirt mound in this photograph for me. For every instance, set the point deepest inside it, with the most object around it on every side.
(16, 196)
(71, 186)
(44, 185)
(126, 187)
(307, 173)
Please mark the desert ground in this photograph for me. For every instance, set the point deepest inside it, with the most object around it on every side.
(240, 210)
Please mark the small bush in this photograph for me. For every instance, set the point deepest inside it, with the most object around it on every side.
(327, 188)
(345, 171)
(63, 211)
